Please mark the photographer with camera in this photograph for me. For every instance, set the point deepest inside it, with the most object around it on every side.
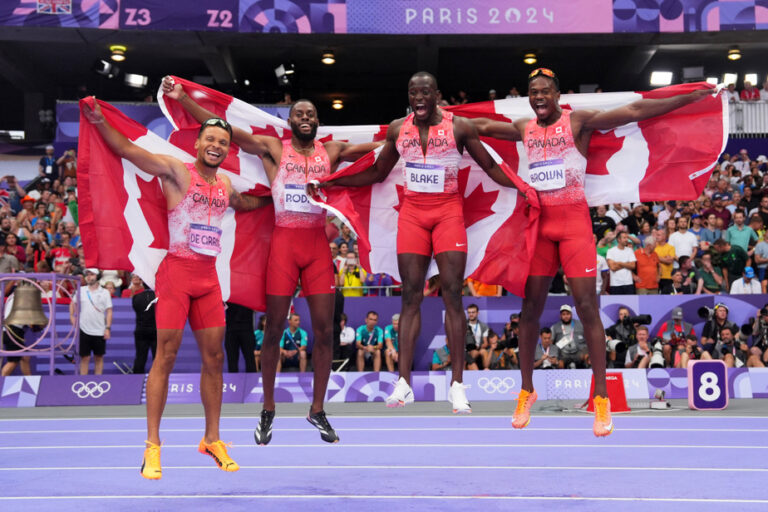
(510, 339)
(717, 318)
(351, 276)
(691, 351)
(476, 336)
(547, 355)
(735, 353)
(495, 356)
(568, 335)
(621, 335)
(639, 354)
(760, 332)
(673, 333)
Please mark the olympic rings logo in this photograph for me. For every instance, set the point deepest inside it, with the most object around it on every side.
(496, 385)
(91, 389)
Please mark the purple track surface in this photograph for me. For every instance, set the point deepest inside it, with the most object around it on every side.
(396, 462)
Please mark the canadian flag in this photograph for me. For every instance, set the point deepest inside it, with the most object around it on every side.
(124, 221)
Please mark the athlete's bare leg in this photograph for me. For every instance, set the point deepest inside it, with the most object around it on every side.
(209, 341)
(536, 291)
(277, 311)
(168, 343)
(84, 362)
(585, 299)
(321, 313)
(413, 271)
(98, 365)
(451, 266)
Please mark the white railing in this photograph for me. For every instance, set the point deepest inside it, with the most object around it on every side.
(748, 118)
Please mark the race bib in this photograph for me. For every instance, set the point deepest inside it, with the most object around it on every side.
(547, 175)
(205, 239)
(296, 200)
(429, 178)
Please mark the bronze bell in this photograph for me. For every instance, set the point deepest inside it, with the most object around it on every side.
(27, 307)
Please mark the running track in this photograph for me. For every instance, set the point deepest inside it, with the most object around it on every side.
(394, 463)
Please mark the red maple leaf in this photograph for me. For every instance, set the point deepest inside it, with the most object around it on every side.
(477, 205)
(271, 131)
(602, 146)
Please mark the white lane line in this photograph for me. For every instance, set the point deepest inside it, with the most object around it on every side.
(388, 497)
(665, 416)
(403, 429)
(398, 467)
(407, 445)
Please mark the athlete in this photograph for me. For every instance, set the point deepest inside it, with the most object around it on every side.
(556, 142)
(187, 284)
(431, 141)
(289, 166)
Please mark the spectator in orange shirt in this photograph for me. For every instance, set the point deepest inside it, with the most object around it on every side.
(478, 289)
(647, 269)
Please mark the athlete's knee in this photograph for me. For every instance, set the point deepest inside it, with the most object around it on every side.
(212, 360)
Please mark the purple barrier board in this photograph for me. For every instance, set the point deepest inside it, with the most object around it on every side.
(90, 390)
(184, 388)
(19, 391)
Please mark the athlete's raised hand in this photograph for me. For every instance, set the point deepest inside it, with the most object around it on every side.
(94, 116)
(172, 89)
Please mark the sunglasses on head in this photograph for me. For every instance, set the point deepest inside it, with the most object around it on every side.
(216, 121)
(541, 71)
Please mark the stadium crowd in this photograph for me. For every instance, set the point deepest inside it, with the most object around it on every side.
(714, 245)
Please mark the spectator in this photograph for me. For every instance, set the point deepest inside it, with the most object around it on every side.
(145, 333)
(95, 321)
(347, 348)
(602, 277)
(639, 216)
(639, 354)
(733, 259)
(351, 277)
(47, 167)
(760, 256)
(669, 212)
(345, 237)
(513, 93)
(568, 335)
(719, 209)
(547, 355)
(478, 289)
(377, 285)
(477, 333)
(711, 332)
(750, 92)
(673, 332)
(511, 334)
(732, 94)
(258, 336)
(647, 270)
(621, 261)
(764, 91)
(239, 337)
(667, 255)
(735, 353)
(711, 280)
(685, 281)
(341, 257)
(13, 341)
(391, 334)
(432, 286)
(623, 330)
(494, 356)
(136, 286)
(369, 339)
(762, 209)
(618, 212)
(293, 345)
(12, 248)
(334, 251)
(492, 95)
(684, 242)
(109, 286)
(441, 360)
(747, 284)
(691, 351)
(739, 234)
(602, 223)
(756, 223)
(67, 164)
(710, 233)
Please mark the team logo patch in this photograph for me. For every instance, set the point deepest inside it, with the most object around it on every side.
(441, 132)
(318, 159)
(559, 129)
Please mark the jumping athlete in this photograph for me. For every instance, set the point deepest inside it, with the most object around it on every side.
(556, 143)
(431, 141)
(289, 166)
(186, 282)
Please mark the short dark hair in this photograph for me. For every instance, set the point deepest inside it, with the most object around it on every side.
(302, 100)
(215, 121)
(371, 312)
(545, 330)
(473, 306)
(425, 74)
(726, 328)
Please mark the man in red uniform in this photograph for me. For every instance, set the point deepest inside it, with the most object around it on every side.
(556, 142)
(187, 284)
(289, 166)
(431, 141)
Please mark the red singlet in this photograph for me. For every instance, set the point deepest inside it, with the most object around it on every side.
(299, 246)
(187, 285)
(556, 170)
(431, 217)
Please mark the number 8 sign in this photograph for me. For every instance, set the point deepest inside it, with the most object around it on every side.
(707, 385)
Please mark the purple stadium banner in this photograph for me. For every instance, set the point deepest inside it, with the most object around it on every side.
(19, 391)
(394, 16)
(90, 390)
(184, 388)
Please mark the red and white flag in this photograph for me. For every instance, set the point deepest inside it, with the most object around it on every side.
(500, 226)
(124, 222)
(664, 158)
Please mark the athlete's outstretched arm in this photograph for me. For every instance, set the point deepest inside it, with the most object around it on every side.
(638, 110)
(244, 202)
(499, 129)
(351, 152)
(162, 166)
(467, 132)
(259, 145)
(377, 172)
